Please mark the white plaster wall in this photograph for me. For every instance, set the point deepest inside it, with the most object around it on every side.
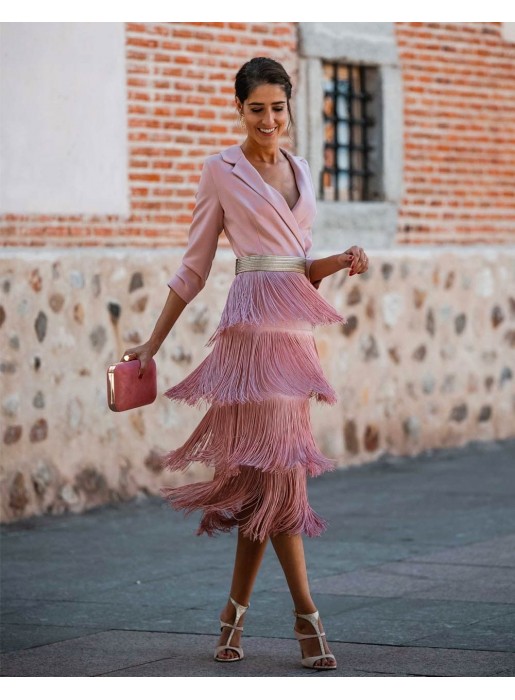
(63, 118)
(508, 31)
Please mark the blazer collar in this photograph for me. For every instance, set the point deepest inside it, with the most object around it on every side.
(244, 169)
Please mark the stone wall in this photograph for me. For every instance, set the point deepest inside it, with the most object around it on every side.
(426, 360)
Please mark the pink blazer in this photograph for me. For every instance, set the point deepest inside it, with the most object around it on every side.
(233, 197)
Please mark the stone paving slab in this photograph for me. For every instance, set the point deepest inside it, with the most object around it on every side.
(415, 576)
(495, 586)
(124, 653)
(15, 636)
(487, 636)
(499, 551)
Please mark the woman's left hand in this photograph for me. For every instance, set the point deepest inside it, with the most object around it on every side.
(358, 261)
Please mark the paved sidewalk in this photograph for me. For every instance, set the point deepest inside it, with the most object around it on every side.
(415, 576)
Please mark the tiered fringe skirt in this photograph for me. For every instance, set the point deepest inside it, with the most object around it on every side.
(256, 434)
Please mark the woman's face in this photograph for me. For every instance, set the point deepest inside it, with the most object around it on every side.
(265, 108)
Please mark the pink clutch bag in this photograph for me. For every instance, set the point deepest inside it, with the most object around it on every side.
(126, 390)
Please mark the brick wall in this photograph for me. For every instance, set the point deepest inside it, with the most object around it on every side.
(459, 133)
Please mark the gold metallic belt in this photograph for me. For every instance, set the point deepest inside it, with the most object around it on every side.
(290, 263)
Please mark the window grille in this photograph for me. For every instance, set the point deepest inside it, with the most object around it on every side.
(351, 158)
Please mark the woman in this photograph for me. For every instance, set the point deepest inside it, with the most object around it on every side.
(264, 366)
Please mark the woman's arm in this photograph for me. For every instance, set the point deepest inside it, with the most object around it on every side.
(323, 267)
(353, 258)
(206, 226)
(172, 309)
(205, 229)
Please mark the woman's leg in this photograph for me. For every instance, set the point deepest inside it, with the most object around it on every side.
(249, 555)
(290, 552)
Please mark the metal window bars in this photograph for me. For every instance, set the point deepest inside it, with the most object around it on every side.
(346, 173)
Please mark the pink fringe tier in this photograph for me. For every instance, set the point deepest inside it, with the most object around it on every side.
(262, 503)
(272, 435)
(259, 378)
(252, 363)
(262, 297)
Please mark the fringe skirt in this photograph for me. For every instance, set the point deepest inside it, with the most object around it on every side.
(258, 381)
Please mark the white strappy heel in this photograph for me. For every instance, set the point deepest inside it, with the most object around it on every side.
(309, 661)
(240, 609)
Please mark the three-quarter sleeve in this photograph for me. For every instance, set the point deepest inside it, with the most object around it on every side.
(309, 260)
(309, 234)
(205, 228)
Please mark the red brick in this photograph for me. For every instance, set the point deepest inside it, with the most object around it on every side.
(459, 130)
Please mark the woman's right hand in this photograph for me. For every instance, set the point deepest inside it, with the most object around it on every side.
(144, 353)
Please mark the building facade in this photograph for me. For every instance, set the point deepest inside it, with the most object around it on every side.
(409, 132)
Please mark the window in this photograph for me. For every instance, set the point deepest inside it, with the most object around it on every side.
(349, 116)
(349, 169)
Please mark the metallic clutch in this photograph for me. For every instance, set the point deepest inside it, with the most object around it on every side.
(125, 389)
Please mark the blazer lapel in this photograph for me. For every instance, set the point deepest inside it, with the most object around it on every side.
(244, 170)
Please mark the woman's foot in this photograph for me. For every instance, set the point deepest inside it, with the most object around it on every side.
(311, 647)
(228, 614)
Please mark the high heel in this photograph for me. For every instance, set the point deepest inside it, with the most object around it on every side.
(240, 610)
(309, 661)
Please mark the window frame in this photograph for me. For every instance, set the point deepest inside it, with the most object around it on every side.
(340, 224)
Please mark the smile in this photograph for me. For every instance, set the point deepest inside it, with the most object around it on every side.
(267, 131)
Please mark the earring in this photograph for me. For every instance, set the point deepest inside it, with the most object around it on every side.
(242, 122)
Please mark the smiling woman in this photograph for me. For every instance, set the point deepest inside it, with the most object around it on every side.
(266, 116)
(260, 482)
(265, 120)
(264, 367)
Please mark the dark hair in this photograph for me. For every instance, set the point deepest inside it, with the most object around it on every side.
(259, 71)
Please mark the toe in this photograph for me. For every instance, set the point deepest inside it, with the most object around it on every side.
(227, 654)
(325, 662)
